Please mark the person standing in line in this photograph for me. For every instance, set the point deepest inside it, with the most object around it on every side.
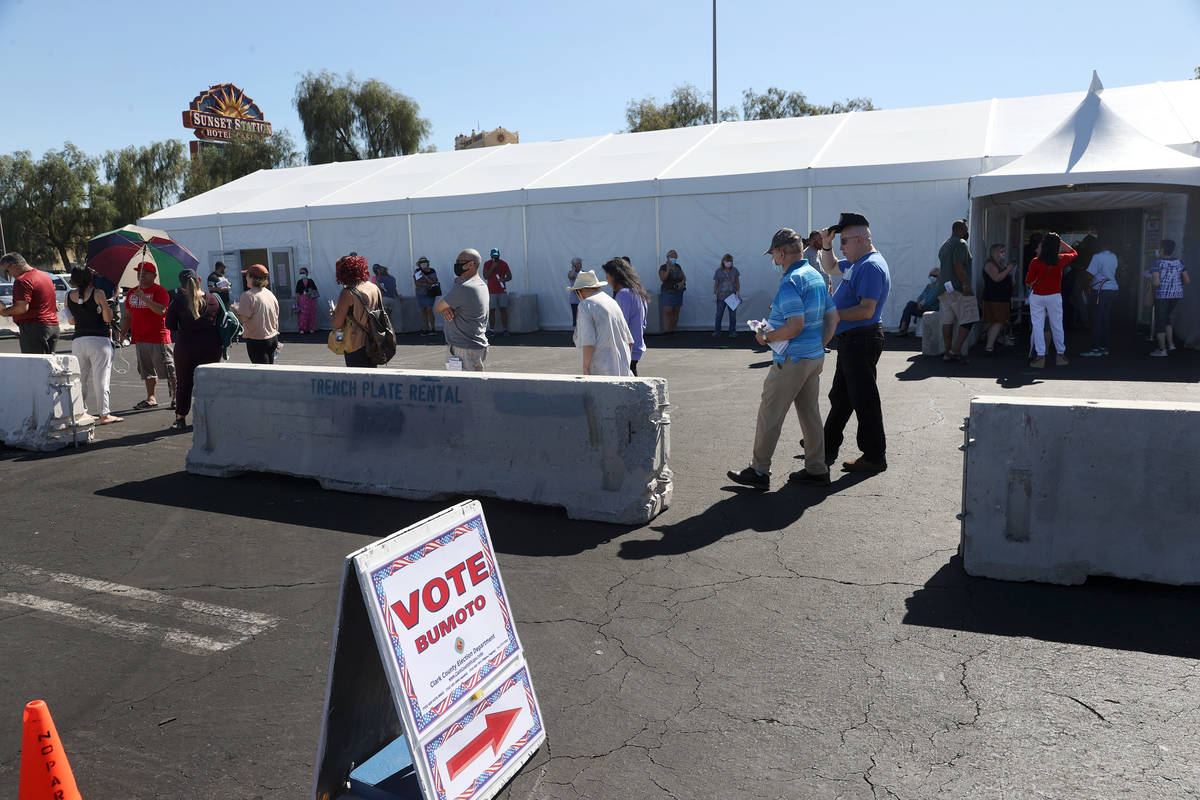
(674, 284)
(425, 284)
(859, 299)
(145, 326)
(997, 293)
(34, 308)
(803, 316)
(602, 335)
(1101, 291)
(727, 281)
(306, 296)
(572, 274)
(812, 254)
(358, 296)
(958, 302)
(633, 300)
(1045, 297)
(465, 311)
(387, 286)
(258, 310)
(1169, 276)
(219, 284)
(193, 316)
(92, 343)
(497, 274)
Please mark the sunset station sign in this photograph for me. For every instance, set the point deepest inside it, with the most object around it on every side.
(221, 110)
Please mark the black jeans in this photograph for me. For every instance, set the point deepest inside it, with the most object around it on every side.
(1101, 314)
(854, 391)
(261, 351)
(358, 358)
(910, 310)
(37, 338)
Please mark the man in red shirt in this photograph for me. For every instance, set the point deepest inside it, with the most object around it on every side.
(146, 308)
(34, 307)
(497, 274)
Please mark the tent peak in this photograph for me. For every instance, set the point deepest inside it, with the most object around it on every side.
(1097, 87)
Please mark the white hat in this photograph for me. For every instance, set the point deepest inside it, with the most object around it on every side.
(586, 279)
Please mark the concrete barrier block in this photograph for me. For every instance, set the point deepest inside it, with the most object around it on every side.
(406, 318)
(1056, 490)
(931, 334)
(654, 324)
(41, 402)
(598, 447)
(522, 313)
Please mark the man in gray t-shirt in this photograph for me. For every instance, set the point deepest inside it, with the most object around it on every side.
(465, 309)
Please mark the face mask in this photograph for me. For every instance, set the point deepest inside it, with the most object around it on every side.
(303, 274)
(460, 267)
(933, 278)
(728, 263)
(670, 259)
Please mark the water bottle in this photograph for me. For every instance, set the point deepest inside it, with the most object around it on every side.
(338, 336)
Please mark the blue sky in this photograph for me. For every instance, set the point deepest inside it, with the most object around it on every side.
(106, 75)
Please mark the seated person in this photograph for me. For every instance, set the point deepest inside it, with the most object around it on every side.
(927, 301)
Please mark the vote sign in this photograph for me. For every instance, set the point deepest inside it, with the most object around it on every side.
(443, 626)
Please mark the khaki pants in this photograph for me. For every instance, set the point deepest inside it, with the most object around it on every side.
(472, 357)
(791, 383)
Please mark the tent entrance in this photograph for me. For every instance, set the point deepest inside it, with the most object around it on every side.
(1120, 230)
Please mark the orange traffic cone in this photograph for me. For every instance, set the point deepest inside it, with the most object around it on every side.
(45, 773)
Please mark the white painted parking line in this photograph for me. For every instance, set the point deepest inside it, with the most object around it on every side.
(243, 624)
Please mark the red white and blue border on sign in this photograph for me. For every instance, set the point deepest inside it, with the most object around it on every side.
(518, 678)
(474, 526)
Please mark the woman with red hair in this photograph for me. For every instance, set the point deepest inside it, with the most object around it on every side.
(358, 296)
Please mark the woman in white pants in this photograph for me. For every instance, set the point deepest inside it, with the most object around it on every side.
(1045, 299)
(92, 343)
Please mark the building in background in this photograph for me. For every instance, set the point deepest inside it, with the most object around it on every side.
(486, 139)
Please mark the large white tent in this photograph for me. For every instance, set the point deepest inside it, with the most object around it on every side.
(707, 190)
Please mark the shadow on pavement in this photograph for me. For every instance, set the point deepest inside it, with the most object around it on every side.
(516, 528)
(744, 509)
(1104, 612)
(15, 454)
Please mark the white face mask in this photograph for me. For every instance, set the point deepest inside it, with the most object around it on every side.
(728, 263)
(670, 259)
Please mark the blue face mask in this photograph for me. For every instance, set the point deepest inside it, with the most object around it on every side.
(933, 278)
(670, 259)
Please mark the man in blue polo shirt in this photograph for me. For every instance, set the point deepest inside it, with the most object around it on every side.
(802, 320)
(859, 300)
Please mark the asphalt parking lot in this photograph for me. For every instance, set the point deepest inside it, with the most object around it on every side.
(803, 643)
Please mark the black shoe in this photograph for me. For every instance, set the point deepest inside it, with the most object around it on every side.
(179, 425)
(750, 477)
(804, 476)
(863, 464)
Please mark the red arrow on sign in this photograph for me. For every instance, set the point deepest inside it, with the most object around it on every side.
(498, 725)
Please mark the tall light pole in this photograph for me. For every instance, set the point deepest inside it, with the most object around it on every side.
(714, 62)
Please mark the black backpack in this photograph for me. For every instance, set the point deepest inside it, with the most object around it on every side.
(381, 338)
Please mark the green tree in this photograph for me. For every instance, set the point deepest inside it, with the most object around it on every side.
(348, 120)
(145, 179)
(688, 106)
(775, 103)
(1197, 74)
(55, 204)
(247, 152)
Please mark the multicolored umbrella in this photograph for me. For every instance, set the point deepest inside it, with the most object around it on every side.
(116, 253)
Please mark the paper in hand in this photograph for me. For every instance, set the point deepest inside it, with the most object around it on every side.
(733, 301)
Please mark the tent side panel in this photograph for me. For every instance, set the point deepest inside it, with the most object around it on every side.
(593, 231)
(702, 228)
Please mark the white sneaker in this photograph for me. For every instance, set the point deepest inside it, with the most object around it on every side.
(1095, 351)
(1171, 346)
(1159, 353)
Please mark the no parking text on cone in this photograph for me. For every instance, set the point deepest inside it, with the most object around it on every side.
(45, 773)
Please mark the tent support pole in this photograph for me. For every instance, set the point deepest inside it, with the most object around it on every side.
(525, 244)
(412, 256)
(657, 231)
(810, 213)
(308, 235)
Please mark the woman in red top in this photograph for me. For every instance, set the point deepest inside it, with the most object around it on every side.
(1044, 279)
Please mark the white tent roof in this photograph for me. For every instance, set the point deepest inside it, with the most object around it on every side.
(1093, 145)
(876, 147)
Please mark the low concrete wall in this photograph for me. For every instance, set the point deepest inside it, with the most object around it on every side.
(41, 402)
(1057, 490)
(598, 447)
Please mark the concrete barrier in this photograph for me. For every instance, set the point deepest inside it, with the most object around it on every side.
(931, 334)
(522, 313)
(598, 447)
(41, 402)
(1057, 490)
(64, 322)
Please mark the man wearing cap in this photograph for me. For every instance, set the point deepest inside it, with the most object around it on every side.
(218, 284)
(465, 310)
(497, 274)
(145, 319)
(602, 335)
(34, 308)
(802, 321)
(958, 303)
(859, 299)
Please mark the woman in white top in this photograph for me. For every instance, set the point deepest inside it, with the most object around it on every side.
(258, 309)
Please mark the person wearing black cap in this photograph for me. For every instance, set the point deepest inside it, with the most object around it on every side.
(802, 320)
(859, 299)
